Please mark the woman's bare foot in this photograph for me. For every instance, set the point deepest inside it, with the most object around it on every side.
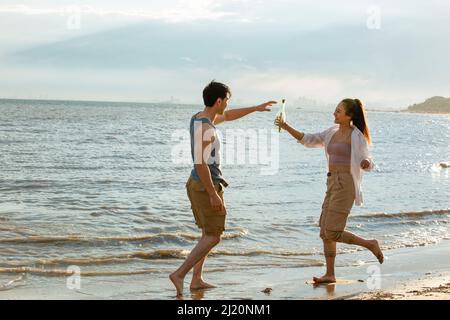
(325, 279)
(375, 248)
(178, 283)
(200, 284)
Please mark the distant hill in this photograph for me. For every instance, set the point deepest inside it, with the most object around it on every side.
(432, 105)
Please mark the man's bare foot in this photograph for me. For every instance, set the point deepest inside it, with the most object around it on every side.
(178, 283)
(375, 248)
(324, 279)
(200, 284)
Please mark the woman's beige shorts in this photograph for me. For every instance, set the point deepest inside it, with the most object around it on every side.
(211, 221)
(338, 202)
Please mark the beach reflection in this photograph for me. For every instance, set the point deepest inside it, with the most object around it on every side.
(197, 294)
(329, 288)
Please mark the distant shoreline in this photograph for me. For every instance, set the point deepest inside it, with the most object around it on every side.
(97, 101)
(407, 110)
(433, 105)
(426, 112)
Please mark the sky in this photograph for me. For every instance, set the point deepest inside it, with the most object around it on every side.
(390, 54)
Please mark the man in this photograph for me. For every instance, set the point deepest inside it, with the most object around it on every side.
(206, 183)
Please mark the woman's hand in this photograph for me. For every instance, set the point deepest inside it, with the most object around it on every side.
(280, 123)
(365, 164)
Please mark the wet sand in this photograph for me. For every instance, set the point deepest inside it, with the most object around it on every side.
(407, 273)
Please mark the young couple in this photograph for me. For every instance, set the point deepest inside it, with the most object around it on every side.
(346, 148)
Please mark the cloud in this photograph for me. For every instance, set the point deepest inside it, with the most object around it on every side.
(181, 11)
(287, 84)
(262, 48)
(390, 53)
(144, 85)
(249, 85)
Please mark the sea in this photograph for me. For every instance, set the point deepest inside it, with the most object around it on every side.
(97, 189)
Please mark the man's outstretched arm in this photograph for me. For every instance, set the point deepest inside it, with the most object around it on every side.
(235, 114)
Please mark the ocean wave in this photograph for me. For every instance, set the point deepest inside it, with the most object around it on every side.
(57, 267)
(63, 272)
(12, 283)
(23, 231)
(400, 218)
(25, 187)
(249, 253)
(100, 260)
(85, 239)
(161, 254)
(60, 272)
(399, 215)
(161, 237)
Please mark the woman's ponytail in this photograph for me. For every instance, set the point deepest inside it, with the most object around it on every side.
(355, 109)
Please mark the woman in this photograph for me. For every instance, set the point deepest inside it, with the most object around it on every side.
(346, 149)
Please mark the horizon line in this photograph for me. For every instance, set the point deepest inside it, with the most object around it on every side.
(388, 109)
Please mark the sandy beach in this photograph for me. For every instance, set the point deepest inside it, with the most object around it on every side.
(431, 287)
(408, 273)
(423, 282)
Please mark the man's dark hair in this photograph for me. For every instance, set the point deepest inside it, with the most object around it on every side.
(213, 91)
